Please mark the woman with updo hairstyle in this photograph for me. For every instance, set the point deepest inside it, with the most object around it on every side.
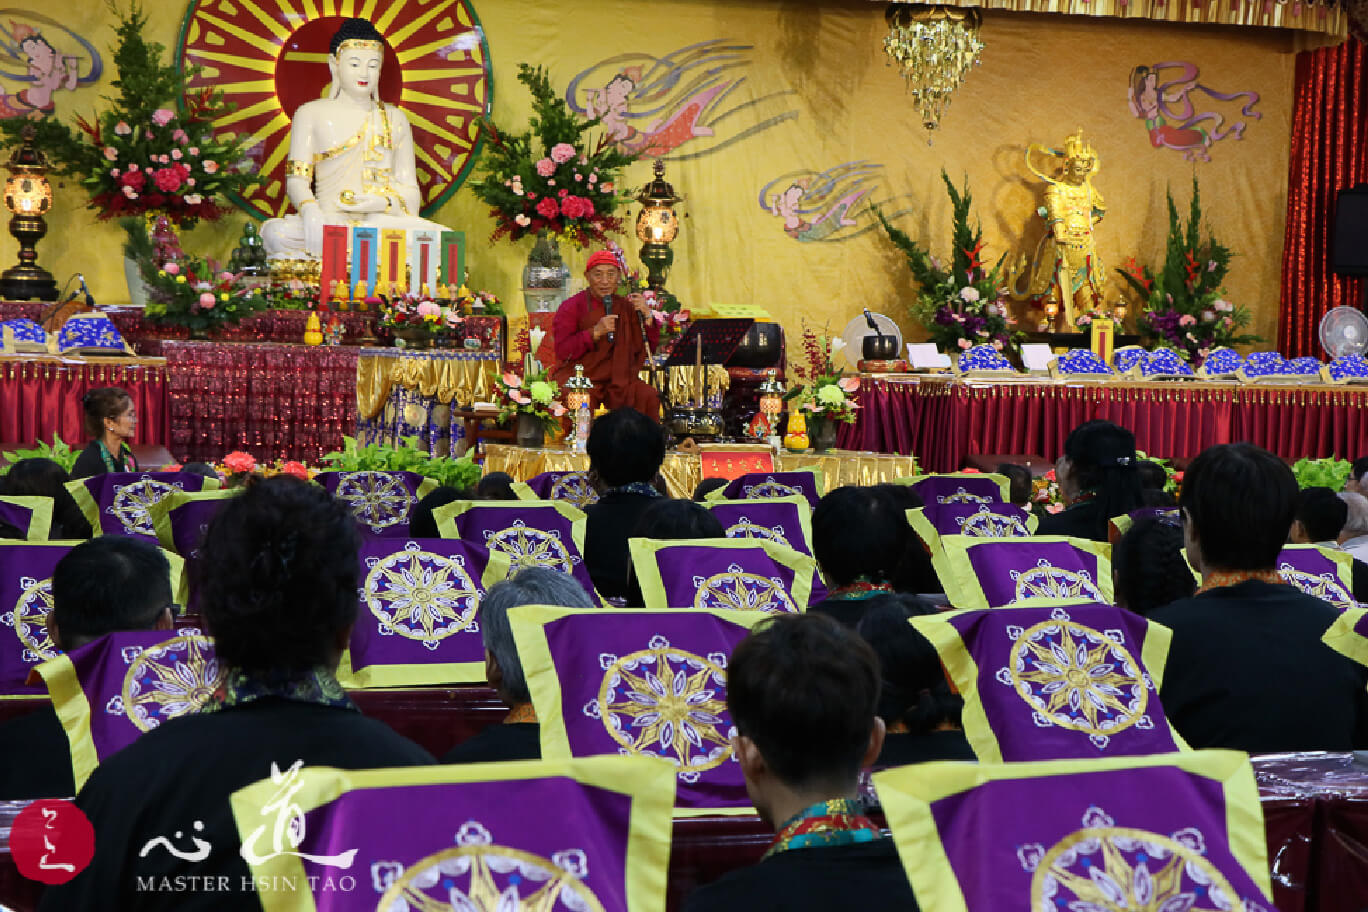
(110, 422)
(1098, 477)
(1148, 567)
(276, 580)
(920, 711)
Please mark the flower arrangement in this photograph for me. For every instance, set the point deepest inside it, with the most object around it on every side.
(961, 305)
(1329, 472)
(460, 473)
(563, 186)
(824, 392)
(485, 302)
(1184, 305)
(534, 393)
(411, 316)
(143, 156)
(186, 290)
(1045, 495)
(238, 467)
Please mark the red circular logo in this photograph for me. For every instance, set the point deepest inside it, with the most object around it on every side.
(52, 841)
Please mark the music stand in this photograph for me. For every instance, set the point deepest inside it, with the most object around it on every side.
(720, 339)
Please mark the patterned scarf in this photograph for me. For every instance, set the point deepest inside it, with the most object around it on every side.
(860, 589)
(826, 823)
(126, 461)
(521, 712)
(644, 488)
(317, 685)
(1222, 578)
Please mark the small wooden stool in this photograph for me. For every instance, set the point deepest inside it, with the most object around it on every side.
(473, 418)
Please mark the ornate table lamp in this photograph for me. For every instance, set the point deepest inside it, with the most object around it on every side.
(577, 390)
(771, 402)
(656, 227)
(29, 196)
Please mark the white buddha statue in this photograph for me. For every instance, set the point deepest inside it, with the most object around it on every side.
(351, 156)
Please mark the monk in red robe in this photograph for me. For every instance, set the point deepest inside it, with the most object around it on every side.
(601, 330)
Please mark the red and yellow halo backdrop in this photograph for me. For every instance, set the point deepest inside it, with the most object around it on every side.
(270, 56)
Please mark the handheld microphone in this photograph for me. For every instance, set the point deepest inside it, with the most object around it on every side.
(89, 298)
(608, 310)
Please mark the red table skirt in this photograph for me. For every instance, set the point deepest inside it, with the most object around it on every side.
(273, 400)
(942, 422)
(40, 397)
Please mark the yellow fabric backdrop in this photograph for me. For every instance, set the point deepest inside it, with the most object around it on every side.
(1041, 78)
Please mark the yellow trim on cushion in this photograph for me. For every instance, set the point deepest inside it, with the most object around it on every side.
(643, 553)
(649, 785)
(907, 794)
(160, 512)
(426, 487)
(818, 479)
(1344, 563)
(1003, 483)
(73, 711)
(528, 624)
(86, 504)
(445, 515)
(797, 500)
(1344, 639)
(40, 518)
(436, 674)
(964, 675)
(962, 586)
(523, 491)
(925, 530)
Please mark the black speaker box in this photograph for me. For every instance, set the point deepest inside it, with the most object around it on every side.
(1349, 240)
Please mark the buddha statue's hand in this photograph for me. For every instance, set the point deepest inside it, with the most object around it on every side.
(311, 215)
(362, 203)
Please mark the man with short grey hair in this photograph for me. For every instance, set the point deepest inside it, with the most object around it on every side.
(519, 736)
(1354, 536)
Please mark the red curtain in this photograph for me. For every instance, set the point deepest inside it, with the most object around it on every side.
(1329, 152)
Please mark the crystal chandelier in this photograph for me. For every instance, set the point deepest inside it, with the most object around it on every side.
(934, 46)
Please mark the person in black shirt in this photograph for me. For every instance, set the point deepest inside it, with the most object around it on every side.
(42, 477)
(1099, 478)
(670, 520)
(103, 585)
(1321, 517)
(519, 737)
(1148, 567)
(111, 421)
(920, 712)
(1246, 666)
(859, 538)
(625, 452)
(276, 580)
(802, 691)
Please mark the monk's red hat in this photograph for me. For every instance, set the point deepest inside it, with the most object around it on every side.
(602, 258)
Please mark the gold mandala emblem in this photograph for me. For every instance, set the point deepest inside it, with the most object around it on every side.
(169, 680)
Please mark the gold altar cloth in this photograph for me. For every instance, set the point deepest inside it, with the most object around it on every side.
(683, 471)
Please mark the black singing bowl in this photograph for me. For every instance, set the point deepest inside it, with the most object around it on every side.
(761, 346)
(880, 348)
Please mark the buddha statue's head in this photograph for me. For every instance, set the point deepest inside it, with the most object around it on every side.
(1080, 159)
(354, 58)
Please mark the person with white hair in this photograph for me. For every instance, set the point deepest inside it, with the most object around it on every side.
(1354, 536)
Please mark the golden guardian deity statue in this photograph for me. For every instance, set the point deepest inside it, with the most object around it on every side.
(1066, 274)
(351, 159)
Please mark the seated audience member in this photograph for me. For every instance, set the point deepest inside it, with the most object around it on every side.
(519, 736)
(859, 537)
(200, 468)
(1098, 478)
(1153, 478)
(276, 581)
(111, 583)
(1321, 517)
(670, 520)
(40, 477)
(1148, 568)
(495, 486)
(421, 523)
(625, 452)
(1355, 483)
(1354, 536)
(919, 710)
(707, 486)
(1019, 482)
(1246, 666)
(912, 572)
(111, 422)
(802, 691)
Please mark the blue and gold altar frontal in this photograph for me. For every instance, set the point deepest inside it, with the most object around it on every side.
(82, 334)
